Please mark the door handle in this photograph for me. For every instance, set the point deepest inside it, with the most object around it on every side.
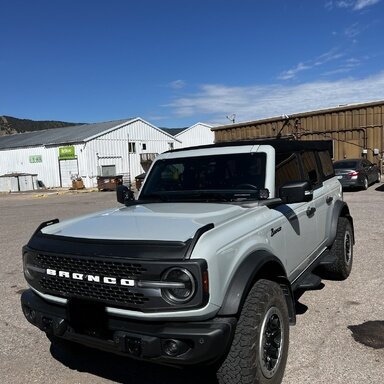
(311, 211)
(329, 199)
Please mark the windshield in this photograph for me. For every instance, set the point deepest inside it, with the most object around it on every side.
(229, 176)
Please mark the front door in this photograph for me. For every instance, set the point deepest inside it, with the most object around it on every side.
(69, 170)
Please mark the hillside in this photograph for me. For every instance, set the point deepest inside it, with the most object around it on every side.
(10, 125)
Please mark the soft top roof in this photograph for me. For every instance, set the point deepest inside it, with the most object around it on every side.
(280, 145)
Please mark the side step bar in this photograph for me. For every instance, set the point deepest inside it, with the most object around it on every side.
(310, 281)
(327, 259)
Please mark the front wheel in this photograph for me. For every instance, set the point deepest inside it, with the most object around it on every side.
(378, 179)
(259, 351)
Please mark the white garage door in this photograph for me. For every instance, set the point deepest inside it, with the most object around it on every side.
(69, 170)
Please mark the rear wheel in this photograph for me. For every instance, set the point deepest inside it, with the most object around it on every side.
(342, 250)
(259, 350)
(365, 183)
(378, 177)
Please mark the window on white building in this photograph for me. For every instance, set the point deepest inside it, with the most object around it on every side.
(132, 147)
(108, 170)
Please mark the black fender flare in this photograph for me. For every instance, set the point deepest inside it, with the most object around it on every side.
(340, 209)
(257, 265)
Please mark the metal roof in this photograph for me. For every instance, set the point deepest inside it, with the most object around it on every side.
(56, 136)
(173, 131)
(339, 108)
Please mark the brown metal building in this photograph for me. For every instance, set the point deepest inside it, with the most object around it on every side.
(356, 129)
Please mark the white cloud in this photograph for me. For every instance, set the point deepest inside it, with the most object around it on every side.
(344, 4)
(352, 31)
(177, 84)
(331, 55)
(360, 4)
(356, 5)
(214, 102)
(291, 73)
(347, 66)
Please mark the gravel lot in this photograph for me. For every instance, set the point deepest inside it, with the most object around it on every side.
(322, 346)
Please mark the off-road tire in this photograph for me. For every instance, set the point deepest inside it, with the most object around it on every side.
(342, 251)
(263, 320)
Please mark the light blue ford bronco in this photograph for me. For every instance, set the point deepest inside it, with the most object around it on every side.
(203, 269)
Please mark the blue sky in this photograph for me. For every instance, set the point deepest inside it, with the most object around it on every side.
(177, 62)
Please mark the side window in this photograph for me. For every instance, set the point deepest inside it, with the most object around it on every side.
(326, 164)
(287, 169)
(311, 172)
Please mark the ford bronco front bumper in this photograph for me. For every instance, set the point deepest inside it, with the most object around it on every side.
(175, 343)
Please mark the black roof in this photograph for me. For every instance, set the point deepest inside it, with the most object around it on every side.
(280, 145)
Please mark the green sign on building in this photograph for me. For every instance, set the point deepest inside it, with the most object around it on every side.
(35, 159)
(66, 153)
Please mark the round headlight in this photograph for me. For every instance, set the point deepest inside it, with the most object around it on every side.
(185, 286)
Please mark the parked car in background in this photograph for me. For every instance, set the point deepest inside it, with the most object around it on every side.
(357, 173)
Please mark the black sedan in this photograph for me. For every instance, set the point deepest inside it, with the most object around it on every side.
(358, 173)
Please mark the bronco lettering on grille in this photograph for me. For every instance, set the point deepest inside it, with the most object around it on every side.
(90, 278)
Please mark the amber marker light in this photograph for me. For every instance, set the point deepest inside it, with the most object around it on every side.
(205, 282)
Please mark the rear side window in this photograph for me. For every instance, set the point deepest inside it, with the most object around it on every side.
(287, 169)
(310, 169)
(326, 164)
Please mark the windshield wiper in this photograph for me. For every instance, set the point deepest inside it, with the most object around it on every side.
(207, 195)
(155, 197)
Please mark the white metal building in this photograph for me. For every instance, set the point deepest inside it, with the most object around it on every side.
(86, 151)
(197, 134)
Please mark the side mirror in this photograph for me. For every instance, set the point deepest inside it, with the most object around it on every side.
(124, 194)
(296, 192)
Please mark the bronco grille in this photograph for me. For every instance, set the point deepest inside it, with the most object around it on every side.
(83, 289)
(116, 294)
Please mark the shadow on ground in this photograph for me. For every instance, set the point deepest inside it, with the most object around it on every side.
(370, 333)
(124, 370)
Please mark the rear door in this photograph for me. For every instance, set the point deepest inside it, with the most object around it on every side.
(370, 171)
(300, 227)
(331, 193)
